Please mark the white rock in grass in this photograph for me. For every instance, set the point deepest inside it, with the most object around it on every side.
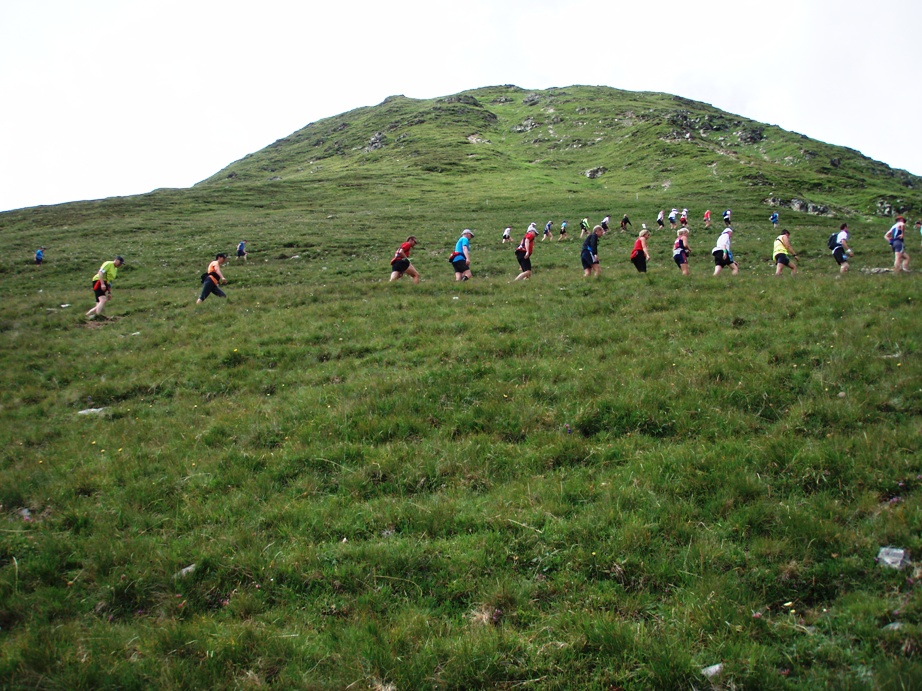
(184, 573)
(713, 670)
(92, 411)
(893, 557)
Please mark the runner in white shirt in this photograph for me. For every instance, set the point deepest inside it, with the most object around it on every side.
(842, 251)
(722, 254)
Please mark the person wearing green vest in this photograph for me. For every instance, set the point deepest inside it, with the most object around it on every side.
(102, 285)
(784, 253)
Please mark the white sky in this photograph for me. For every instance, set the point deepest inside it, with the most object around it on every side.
(106, 98)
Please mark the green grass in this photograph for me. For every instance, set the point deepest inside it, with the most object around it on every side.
(560, 483)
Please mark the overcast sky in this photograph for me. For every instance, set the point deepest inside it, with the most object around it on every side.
(107, 98)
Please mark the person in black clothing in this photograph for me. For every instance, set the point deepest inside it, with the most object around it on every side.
(590, 253)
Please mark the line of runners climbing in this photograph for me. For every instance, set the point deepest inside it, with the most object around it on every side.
(460, 258)
(722, 253)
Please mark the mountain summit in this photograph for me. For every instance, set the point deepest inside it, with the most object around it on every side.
(569, 138)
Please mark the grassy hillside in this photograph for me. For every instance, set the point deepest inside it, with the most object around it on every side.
(652, 145)
(330, 481)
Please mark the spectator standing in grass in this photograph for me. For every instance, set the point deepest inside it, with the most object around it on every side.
(401, 265)
(461, 258)
(640, 254)
(659, 218)
(242, 250)
(707, 219)
(723, 256)
(524, 250)
(841, 252)
(102, 285)
(896, 236)
(507, 234)
(589, 255)
(783, 253)
(625, 222)
(40, 255)
(681, 249)
(563, 232)
(212, 277)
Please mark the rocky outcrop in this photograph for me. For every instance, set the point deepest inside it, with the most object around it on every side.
(596, 172)
(800, 205)
(526, 126)
(377, 141)
(460, 98)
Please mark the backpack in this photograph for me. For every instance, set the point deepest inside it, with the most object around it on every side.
(833, 241)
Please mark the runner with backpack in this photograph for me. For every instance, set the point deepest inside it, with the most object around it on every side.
(895, 237)
(212, 277)
(838, 243)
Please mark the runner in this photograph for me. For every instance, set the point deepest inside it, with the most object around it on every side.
(461, 258)
(625, 222)
(604, 223)
(895, 236)
(39, 256)
(401, 265)
(212, 277)
(242, 250)
(563, 232)
(547, 231)
(507, 234)
(524, 250)
(783, 253)
(681, 249)
(683, 219)
(640, 255)
(102, 285)
(722, 254)
(707, 219)
(727, 217)
(589, 255)
(774, 219)
(840, 250)
(672, 217)
(583, 227)
(659, 218)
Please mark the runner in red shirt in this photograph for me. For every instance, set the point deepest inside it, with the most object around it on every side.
(401, 265)
(524, 250)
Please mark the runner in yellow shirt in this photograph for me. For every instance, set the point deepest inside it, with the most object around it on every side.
(102, 285)
(783, 253)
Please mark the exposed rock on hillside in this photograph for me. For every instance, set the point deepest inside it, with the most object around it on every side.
(800, 205)
(526, 126)
(376, 142)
